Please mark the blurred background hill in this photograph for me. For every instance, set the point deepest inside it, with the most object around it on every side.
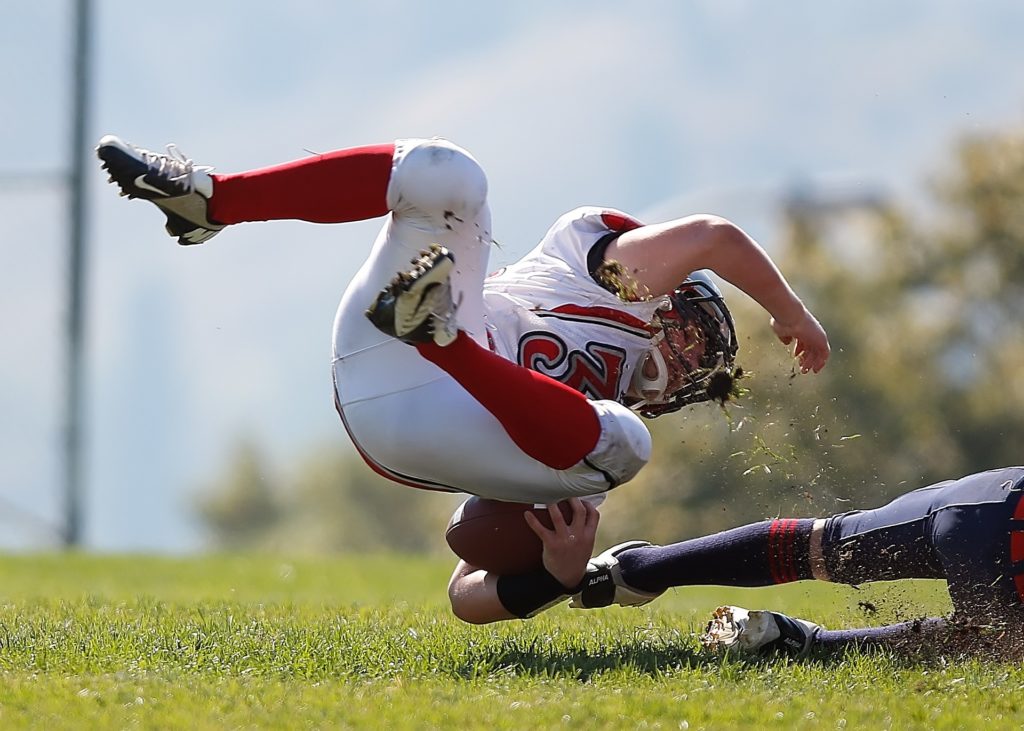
(876, 151)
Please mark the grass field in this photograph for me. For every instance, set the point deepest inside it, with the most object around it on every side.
(264, 642)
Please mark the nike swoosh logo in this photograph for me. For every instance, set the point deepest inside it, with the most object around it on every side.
(140, 182)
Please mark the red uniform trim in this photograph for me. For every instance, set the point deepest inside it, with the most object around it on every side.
(619, 222)
(775, 550)
(604, 313)
(1017, 548)
(781, 538)
(380, 469)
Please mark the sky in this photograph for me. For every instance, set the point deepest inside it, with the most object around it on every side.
(661, 109)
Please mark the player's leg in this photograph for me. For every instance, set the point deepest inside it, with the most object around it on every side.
(548, 420)
(999, 637)
(438, 436)
(766, 632)
(882, 544)
(760, 554)
(344, 185)
(870, 545)
(912, 634)
(340, 186)
(954, 530)
(978, 539)
(438, 197)
(436, 191)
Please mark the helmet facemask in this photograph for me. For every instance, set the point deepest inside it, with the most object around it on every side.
(692, 356)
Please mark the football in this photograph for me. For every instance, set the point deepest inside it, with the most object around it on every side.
(493, 535)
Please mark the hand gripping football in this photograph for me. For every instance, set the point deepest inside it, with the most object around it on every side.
(493, 535)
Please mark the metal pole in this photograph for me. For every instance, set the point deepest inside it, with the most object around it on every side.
(77, 225)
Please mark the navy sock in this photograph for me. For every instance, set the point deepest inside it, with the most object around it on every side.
(760, 554)
(889, 634)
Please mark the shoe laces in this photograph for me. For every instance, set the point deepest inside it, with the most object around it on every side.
(174, 167)
(445, 318)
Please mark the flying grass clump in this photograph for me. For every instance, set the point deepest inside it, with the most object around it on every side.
(724, 385)
(612, 275)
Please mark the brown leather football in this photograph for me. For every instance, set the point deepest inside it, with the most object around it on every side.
(493, 535)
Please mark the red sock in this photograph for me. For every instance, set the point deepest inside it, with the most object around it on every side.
(549, 421)
(339, 186)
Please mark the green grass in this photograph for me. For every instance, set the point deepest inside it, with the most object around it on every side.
(263, 642)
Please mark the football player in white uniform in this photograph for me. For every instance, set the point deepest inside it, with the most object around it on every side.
(535, 375)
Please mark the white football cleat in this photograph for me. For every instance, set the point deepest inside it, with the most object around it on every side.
(759, 631)
(172, 182)
(603, 584)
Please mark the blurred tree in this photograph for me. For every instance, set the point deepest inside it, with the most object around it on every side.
(241, 507)
(329, 501)
(978, 253)
(337, 503)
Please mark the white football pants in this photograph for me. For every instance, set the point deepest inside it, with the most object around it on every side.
(409, 419)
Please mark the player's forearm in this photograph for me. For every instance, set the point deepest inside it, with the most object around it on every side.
(741, 261)
(482, 597)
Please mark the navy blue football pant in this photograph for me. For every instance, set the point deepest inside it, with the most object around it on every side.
(968, 531)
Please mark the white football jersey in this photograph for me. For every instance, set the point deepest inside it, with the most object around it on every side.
(546, 312)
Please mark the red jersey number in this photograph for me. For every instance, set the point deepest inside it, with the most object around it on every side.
(594, 371)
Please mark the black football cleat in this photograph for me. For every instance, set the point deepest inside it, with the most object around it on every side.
(417, 306)
(172, 182)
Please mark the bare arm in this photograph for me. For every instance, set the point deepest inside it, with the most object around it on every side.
(568, 546)
(660, 256)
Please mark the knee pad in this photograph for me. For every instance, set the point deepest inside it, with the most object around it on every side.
(438, 180)
(624, 446)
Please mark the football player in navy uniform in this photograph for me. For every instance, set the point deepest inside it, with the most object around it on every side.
(968, 531)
